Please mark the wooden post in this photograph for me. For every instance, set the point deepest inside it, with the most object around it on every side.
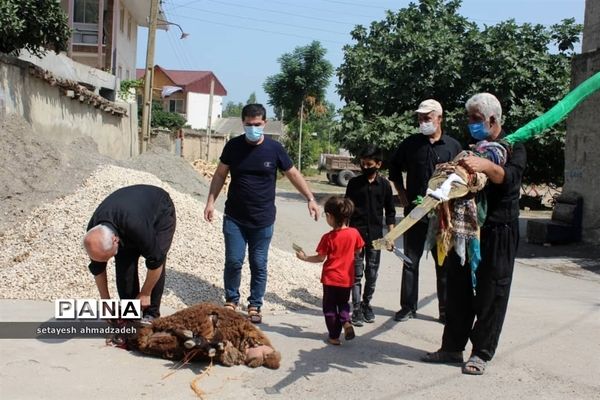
(149, 75)
(300, 137)
(209, 123)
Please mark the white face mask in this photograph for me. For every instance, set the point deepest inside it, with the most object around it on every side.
(427, 128)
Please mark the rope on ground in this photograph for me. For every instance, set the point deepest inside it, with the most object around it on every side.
(194, 384)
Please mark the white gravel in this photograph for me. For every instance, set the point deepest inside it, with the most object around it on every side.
(42, 258)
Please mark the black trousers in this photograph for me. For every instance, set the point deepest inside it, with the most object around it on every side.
(414, 243)
(366, 264)
(499, 244)
(126, 262)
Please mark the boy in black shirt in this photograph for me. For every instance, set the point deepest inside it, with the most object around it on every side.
(371, 195)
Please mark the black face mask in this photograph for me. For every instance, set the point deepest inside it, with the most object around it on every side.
(369, 171)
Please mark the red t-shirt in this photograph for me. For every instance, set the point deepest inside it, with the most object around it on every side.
(339, 246)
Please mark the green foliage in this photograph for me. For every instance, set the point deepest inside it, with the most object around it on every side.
(251, 98)
(163, 119)
(317, 136)
(233, 110)
(127, 85)
(428, 50)
(304, 73)
(32, 25)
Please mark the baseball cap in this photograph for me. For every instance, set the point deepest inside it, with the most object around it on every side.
(428, 106)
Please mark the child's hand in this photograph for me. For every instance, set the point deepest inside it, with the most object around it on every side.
(300, 254)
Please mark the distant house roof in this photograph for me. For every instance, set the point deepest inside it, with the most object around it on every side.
(190, 81)
(233, 126)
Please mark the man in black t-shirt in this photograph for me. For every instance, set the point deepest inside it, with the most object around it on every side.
(253, 161)
(418, 155)
(131, 222)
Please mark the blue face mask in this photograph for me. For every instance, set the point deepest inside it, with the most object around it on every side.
(253, 133)
(478, 131)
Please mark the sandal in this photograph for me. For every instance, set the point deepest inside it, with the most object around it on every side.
(231, 306)
(474, 366)
(443, 357)
(254, 314)
(335, 342)
(349, 331)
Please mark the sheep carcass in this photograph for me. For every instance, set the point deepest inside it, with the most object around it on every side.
(206, 331)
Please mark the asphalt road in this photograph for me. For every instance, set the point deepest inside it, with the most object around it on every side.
(549, 348)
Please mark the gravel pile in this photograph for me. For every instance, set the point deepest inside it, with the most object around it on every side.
(42, 258)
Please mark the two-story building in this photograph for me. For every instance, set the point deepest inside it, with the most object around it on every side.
(102, 50)
(188, 93)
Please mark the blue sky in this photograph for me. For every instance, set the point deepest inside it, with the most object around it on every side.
(241, 40)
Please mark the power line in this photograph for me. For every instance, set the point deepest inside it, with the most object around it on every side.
(318, 9)
(267, 21)
(311, 17)
(257, 29)
(347, 3)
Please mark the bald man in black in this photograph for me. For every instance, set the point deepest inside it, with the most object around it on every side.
(131, 222)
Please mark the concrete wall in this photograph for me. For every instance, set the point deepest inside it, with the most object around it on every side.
(62, 119)
(591, 26)
(582, 145)
(582, 148)
(64, 67)
(197, 109)
(194, 146)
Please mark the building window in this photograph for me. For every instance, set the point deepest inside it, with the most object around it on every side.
(122, 20)
(176, 106)
(120, 72)
(127, 74)
(86, 11)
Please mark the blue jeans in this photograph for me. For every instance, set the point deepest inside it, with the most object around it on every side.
(236, 239)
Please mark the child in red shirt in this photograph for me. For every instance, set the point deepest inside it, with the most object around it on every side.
(338, 248)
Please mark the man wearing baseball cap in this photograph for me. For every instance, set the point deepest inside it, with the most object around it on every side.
(418, 155)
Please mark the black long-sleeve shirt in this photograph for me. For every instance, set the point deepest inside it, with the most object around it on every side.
(132, 213)
(503, 199)
(370, 200)
(418, 157)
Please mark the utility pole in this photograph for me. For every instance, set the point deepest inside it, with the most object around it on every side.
(209, 123)
(300, 136)
(149, 75)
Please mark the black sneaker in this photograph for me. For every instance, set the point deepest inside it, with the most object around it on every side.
(404, 315)
(357, 317)
(368, 314)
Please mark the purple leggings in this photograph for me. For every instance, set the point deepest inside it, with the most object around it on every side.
(336, 308)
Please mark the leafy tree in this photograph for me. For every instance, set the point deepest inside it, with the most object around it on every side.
(316, 133)
(161, 118)
(165, 119)
(233, 110)
(32, 25)
(304, 73)
(251, 99)
(297, 95)
(428, 50)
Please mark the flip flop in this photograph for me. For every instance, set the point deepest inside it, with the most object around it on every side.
(474, 366)
(231, 306)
